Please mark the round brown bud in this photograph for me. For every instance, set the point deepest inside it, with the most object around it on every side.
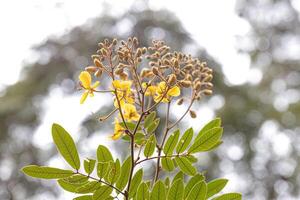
(197, 86)
(208, 78)
(185, 83)
(98, 73)
(123, 76)
(135, 41)
(193, 114)
(115, 41)
(138, 52)
(144, 50)
(188, 67)
(155, 70)
(91, 69)
(180, 101)
(172, 79)
(207, 92)
(98, 63)
(119, 70)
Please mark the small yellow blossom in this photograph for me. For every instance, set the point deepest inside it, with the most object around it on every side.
(151, 90)
(161, 90)
(118, 131)
(124, 93)
(130, 112)
(86, 83)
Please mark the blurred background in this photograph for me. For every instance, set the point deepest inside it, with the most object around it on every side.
(252, 45)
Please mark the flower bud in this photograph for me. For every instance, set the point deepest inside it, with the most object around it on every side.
(98, 63)
(104, 52)
(185, 83)
(180, 101)
(155, 70)
(115, 41)
(119, 70)
(172, 79)
(138, 52)
(123, 76)
(208, 78)
(193, 114)
(98, 73)
(144, 50)
(197, 86)
(91, 69)
(207, 92)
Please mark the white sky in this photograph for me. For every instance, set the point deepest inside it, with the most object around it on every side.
(213, 24)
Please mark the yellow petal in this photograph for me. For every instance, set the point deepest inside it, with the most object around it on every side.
(122, 85)
(116, 136)
(85, 79)
(83, 97)
(116, 84)
(95, 85)
(135, 117)
(174, 91)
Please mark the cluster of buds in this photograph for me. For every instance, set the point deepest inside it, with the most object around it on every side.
(180, 69)
(142, 78)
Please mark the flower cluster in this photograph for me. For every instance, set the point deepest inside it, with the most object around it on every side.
(142, 78)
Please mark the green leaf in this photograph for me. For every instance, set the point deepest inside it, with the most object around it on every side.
(150, 146)
(176, 190)
(167, 164)
(229, 196)
(137, 136)
(207, 140)
(103, 154)
(149, 119)
(46, 172)
(192, 182)
(185, 166)
(171, 143)
(185, 140)
(215, 186)
(89, 165)
(142, 192)
(71, 184)
(158, 192)
(89, 187)
(77, 179)
(65, 145)
(114, 172)
(215, 123)
(102, 193)
(191, 158)
(125, 172)
(198, 192)
(102, 169)
(153, 126)
(130, 125)
(85, 197)
(179, 175)
(167, 184)
(135, 182)
(215, 146)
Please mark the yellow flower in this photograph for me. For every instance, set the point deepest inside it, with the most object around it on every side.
(151, 90)
(118, 131)
(130, 112)
(124, 93)
(161, 90)
(86, 83)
